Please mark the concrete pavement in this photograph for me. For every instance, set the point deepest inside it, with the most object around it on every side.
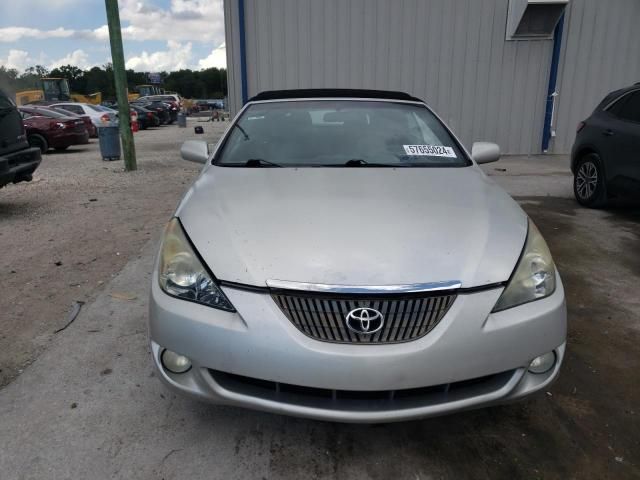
(90, 407)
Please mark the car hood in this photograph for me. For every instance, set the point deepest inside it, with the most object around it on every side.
(354, 226)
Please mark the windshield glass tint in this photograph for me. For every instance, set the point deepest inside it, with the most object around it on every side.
(332, 133)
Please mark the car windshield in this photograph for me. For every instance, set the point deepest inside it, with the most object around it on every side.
(336, 133)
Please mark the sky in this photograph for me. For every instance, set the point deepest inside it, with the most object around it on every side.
(158, 35)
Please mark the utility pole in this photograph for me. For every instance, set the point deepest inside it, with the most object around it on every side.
(117, 58)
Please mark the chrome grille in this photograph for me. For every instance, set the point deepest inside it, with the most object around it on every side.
(323, 316)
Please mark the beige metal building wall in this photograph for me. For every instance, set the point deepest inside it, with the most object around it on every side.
(452, 53)
(232, 44)
(601, 52)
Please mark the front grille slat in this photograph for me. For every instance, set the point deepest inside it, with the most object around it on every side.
(431, 311)
(317, 320)
(302, 317)
(412, 319)
(345, 308)
(393, 316)
(376, 337)
(400, 320)
(329, 328)
(337, 317)
(322, 316)
(405, 320)
(421, 313)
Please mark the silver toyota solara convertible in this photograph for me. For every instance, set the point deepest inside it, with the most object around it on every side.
(343, 257)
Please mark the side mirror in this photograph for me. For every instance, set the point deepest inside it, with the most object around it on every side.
(195, 151)
(485, 152)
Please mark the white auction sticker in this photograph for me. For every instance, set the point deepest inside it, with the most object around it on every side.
(429, 151)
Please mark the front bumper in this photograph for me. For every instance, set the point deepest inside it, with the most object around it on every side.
(19, 166)
(472, 358)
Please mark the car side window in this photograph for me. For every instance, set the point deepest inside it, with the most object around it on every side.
(628, 107)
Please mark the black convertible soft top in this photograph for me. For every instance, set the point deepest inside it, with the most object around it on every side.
(332, 93)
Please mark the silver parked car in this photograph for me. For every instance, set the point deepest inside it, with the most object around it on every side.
(343, 257)
(100, 116)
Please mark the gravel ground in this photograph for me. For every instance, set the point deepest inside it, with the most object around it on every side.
(66, 233)
(91, 407)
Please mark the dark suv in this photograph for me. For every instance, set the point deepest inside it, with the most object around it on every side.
(605, 159)
(18, 160)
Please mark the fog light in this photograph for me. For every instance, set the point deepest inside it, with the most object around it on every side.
(174, 362)
(543, 363)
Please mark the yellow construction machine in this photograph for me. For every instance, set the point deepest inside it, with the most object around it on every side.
(55, 90)
(144, 91)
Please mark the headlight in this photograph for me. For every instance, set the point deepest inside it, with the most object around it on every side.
(534, 276)
(182, 274)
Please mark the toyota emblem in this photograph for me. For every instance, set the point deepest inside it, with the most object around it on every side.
(364, 321)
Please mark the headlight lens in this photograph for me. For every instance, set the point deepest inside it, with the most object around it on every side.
(182, 274)
(534, 276)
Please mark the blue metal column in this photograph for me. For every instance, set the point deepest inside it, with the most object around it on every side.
(553, 79)
(243, 52)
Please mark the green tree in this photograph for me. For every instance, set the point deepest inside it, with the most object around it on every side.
(208, 83)
(70, 72)
(134, 79)
(73, 74)
(9, 79)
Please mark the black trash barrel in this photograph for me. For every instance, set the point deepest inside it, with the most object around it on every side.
(109, 137)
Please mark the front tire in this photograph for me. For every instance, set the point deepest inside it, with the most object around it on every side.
(39, 141)
(589, 183)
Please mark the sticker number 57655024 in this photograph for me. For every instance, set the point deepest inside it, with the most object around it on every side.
(429, 151)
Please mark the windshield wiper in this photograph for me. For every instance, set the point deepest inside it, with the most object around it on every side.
(259, 162)
(359, 162)
(244, 134)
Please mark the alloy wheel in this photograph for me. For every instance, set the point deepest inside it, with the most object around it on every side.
(587, 180)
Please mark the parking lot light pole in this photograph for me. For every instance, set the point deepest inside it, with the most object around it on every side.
(117, 57)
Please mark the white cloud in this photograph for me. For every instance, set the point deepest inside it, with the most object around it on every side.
(21, 60)
(15, 34)
(177, 56)
(78, 58)
(100, 34)
(217, 58)
(185, 20)
(18, 59)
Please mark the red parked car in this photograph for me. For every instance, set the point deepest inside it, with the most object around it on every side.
(91, 128)
(48, 128)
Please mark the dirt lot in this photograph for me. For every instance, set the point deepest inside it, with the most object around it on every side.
(90, 407)
(72, 228)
